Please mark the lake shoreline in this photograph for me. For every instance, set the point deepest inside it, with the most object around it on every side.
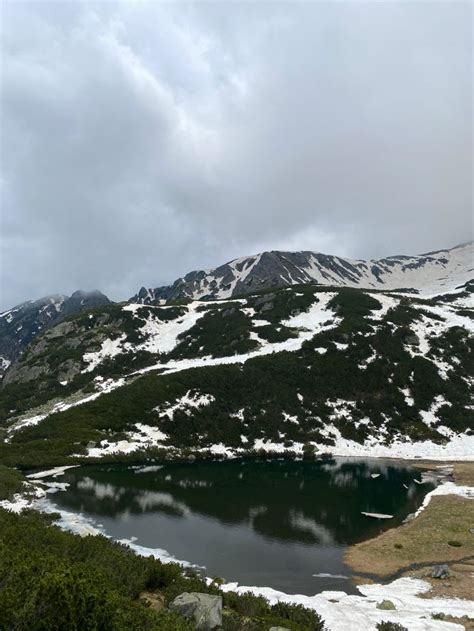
(415, 599)
(441, 533)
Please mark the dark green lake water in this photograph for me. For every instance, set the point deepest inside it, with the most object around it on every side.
(259, 522)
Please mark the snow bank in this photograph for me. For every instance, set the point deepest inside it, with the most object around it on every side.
(191, 400)
(342, 612)
(448, 488)
(142, 437)
(457, 447)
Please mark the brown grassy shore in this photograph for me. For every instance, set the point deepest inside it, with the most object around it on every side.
(440, 534)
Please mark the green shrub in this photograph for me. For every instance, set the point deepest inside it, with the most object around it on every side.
(390, 626)
(11, 482)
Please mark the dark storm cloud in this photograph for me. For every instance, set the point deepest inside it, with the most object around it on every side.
(142, 140)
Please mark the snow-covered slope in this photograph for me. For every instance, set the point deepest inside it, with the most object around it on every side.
(431, 273)
(344, 370)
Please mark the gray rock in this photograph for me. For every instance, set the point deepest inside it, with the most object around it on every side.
(441, 571)
(471, 530)
(68, 370)
(386, 605)
(268, 306)
(73, 342)
(409, 517)
(103, 318)
(279, 629)
(24, 373)
(412, 339)
(64, 328)
(204, 609)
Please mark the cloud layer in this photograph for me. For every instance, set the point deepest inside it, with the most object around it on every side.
(142, 140)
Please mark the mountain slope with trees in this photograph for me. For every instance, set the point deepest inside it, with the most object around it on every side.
(298, 369)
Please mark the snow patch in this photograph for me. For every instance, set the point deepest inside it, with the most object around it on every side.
(186, 403)
(343, 612)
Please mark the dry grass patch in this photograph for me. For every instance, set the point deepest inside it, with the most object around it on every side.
(439, 534)
(464, 473)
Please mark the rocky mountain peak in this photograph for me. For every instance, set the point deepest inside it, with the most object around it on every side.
(430, 273)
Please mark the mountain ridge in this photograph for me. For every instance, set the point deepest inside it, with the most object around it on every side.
(437, 271)
(21, 324)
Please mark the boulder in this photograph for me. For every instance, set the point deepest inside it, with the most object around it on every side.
(279, 629)
(205, 610)
(440, 571)
(386, 605)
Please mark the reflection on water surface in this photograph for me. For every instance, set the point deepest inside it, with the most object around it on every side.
(277, 523)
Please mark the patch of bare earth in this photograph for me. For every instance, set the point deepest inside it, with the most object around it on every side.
(441, 534)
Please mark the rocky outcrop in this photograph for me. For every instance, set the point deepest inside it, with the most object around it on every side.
(205, 610)
(22, 324)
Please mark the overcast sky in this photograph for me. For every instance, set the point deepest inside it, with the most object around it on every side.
(142, 140)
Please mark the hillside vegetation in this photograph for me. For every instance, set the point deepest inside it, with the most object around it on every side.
(302, 367)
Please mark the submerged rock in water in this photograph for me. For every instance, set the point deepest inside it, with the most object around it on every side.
(440, 571)
(204, 609)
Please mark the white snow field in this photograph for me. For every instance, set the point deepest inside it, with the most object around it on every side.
(343, 612)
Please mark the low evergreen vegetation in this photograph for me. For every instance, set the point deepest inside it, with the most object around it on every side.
(54, 580)
(366, 375)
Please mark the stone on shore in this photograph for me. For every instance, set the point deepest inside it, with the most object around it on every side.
(205, 610)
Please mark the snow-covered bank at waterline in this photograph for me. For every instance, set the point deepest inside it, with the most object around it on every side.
(457, 447)
(342, 612)
(447, 488)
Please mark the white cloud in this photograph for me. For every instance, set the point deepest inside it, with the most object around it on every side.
(142, 140)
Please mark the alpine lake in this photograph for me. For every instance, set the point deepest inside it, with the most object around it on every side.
(279, 523)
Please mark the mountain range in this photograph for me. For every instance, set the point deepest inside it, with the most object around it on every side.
(433, 272)
(298, 366)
